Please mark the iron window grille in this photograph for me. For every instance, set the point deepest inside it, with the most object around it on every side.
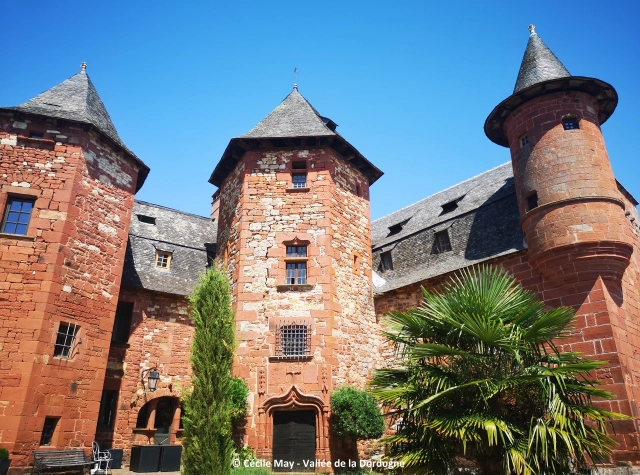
(299, 180)
(48, 430)
(442, 242)
(570, 123)
(163, 259)
(293, 341)
(17, 215)
(64, 342)
(386, 262)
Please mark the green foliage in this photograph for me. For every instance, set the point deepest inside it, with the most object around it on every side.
(207, 443)
(4, 453)
(250, 471)
(478, 377)
(356, 414)
(239, 394)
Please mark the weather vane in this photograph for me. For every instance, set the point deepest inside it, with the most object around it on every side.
(295, 70)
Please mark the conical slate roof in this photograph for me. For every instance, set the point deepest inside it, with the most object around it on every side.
(541, 73)
(539, 64)
(76, 99)
(294, 117)
(293, 124)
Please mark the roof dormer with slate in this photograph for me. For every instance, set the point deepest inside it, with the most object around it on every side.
(293, 124)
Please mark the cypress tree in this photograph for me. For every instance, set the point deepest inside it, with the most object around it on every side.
(207, 442)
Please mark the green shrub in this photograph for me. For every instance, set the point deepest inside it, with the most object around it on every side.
(250, 471)
(356, 414)
(4, 453)
(238, 393)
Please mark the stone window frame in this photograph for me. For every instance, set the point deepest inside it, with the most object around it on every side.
(159, 258)
(49, 430)
(570, 123)
(293, 341)
(14, 198)
(67, 339)
(108, 408)
(299, 243)
(299, 168)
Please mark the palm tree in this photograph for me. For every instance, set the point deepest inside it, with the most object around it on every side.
(479, 382)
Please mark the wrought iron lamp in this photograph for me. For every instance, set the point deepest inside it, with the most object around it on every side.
(152, 378)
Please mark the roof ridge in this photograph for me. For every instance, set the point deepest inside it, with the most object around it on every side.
(171, 209)
(442, 191)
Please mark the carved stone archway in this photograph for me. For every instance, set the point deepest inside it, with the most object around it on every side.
(293, 400)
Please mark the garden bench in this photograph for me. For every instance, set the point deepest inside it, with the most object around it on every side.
(51, 459)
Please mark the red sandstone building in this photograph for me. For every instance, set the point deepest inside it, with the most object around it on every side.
(93, 284)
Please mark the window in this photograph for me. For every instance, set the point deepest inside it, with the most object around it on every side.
(293, 340)
(532, 201)
(64, 342)
(146, 219)
(451, 205)
(524, 141)
(48, 430)
(570, 123)
(211, 258)
(107, 414)
(36, 135)
(163, 259)
(299, 165)
(442, 243)
(299, 180)
(16, 216)
(296, 273)
(122, 322)
(386, 263)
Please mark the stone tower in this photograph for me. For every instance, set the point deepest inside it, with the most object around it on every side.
(67, 183)
(294, 234)
(574, 216)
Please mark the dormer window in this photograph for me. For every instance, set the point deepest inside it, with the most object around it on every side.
(146, 219)
(451, 205)
(441, 243)
(570, 123)
(386, 263)
(163, 259)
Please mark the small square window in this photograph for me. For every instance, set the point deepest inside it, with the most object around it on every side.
(293, 340)
(48, 430)
(107, 413)
(386, 262)
(532, 201)
(296, 273)
(570, 123)
(17, 215)
(122, 322)
(64, 341)
(442, 243)
(163, 259)
(524, 141)
(296, 251)
(299, 180)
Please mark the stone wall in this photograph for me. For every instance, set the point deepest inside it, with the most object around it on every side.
(66, 269)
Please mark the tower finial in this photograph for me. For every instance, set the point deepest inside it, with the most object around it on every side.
(83, 66)
(532, 29)
(295, 71)
(295, 86)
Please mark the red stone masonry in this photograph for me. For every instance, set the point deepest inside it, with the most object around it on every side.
(66, 269)
(260, 213)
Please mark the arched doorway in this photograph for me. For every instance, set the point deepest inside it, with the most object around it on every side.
(293, 426)
(161, 418)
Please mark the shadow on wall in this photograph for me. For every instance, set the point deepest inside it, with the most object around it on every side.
(496, 225)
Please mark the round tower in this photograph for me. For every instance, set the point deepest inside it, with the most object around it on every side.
(573, 217)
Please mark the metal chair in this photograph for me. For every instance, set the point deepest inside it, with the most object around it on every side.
(101, 459)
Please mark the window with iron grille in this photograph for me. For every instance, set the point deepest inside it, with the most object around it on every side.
(107, 414)
(386, 262)
(293, 340)
(64, 342)
(299, 180)
(17, 215)
(163, 259)
(48, 430)
(442, 242)
(570, 123)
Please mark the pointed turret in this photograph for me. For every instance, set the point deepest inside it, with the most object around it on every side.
(542, 73)
(76, 99)
(293, 124)
(539, 64)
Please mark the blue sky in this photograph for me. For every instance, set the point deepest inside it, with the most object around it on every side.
(410, 83)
